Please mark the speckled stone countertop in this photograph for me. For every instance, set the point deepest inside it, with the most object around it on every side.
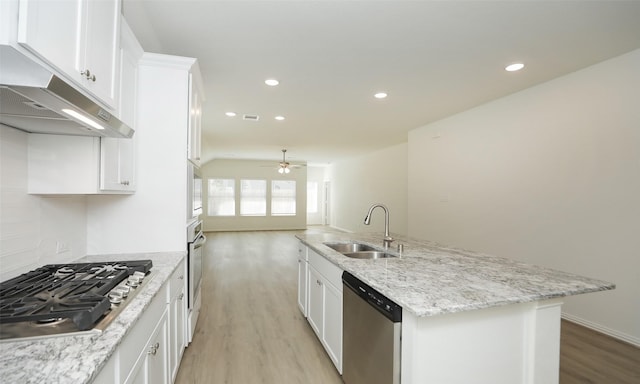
(430, 279)
(78, 359)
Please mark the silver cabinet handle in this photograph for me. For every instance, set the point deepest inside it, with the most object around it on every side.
(125, 182)
(88, 75)
(153, 349)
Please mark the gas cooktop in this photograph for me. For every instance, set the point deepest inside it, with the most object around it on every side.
(67, 298)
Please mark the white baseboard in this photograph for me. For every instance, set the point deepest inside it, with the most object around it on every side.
(602, 329)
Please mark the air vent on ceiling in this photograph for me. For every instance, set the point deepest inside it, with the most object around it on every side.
(251, 117)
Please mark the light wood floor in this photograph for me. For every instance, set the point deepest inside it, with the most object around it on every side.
(590, 357)
(251, 331)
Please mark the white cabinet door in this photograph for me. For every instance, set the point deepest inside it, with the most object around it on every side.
(177, 319)
(177, 333)
(80, 38)
(332, 333)
(303, 278)
(316, 301)
(157, 355)
(117, 164)
(51, 30)
(195, 114)
(324, 304)
(99, 53)
(151, 367)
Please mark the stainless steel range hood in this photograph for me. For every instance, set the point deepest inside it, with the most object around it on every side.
(35, 100)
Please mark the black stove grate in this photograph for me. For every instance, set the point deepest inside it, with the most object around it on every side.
(65, 291)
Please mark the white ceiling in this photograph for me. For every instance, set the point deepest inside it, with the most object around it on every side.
(433, 58)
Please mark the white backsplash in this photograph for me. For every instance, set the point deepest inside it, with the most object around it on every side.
(34, 230)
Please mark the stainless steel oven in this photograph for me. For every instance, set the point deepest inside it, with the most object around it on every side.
(194, 192)
(195, 241)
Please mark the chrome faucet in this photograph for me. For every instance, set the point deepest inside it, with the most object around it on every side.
(367, 220)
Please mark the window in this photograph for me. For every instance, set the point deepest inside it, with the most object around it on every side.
(253, 197)
(312, 197)
(283, 198)
(222, 197)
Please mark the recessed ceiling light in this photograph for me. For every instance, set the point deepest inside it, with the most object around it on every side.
(280, 118)
(514, 67)
(272, 82)
(380, 95)
(230, 114)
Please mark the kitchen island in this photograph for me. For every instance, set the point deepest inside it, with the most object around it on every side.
(80, 359)
(467, 317)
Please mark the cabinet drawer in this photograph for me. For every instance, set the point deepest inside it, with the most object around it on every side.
(330, 271)
(177, 281)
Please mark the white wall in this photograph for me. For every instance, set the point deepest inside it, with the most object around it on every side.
(357, 183)
(153, 219)
(254, 169)
(32, 226)
(549, 175)
(317, 175)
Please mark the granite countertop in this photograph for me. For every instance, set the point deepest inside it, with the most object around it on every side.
(430, 279)
(78, 359)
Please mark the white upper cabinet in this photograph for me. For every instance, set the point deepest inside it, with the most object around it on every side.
(194, 142)
(117, 165)
(118, 156)
(80, 38)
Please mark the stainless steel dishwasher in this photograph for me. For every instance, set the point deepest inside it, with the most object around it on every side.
(372, 327)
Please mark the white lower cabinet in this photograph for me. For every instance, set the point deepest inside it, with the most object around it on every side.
(151, 367)
(303, 284)
(177, 319)
(324, 306)
(316, 301)
(151, 352)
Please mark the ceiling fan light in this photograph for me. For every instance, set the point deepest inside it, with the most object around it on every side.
(281, 170)
(287, 170)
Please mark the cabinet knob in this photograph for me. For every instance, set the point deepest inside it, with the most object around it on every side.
(125, 182)
(181, 296)
(86, 73)
(319, 282)
(153, 349)
(181, 277)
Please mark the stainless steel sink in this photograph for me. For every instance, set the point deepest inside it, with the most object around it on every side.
(358, 250)
(350, 247)
(368, 255)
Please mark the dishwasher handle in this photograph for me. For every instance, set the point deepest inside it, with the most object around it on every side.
(381, 303)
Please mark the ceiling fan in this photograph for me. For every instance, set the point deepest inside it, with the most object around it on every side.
(284, 167)
(284, 164)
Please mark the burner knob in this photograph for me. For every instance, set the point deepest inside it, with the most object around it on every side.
(123, 289)
(115, 297)
(140, 275)
(133, 281)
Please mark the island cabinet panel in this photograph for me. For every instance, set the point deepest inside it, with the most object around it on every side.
(303, 279)
(325, 305)
(515, 344)
(316, 302)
